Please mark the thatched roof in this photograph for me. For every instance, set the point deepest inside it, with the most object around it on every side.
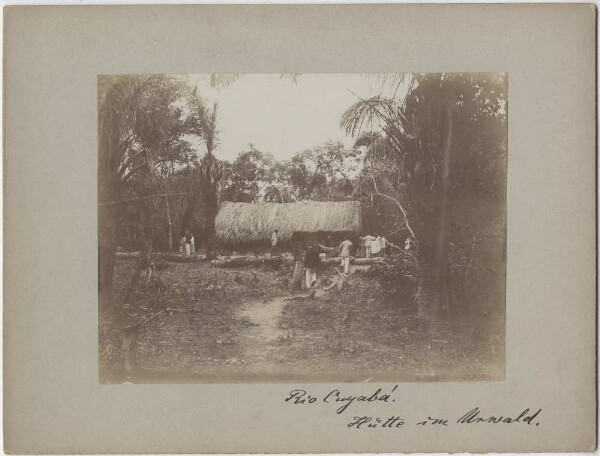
(247, 223)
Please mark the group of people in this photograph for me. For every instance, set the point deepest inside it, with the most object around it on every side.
(312, 259)
(371, 246)
(187, 244)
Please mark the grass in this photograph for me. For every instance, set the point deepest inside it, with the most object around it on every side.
(348, 335)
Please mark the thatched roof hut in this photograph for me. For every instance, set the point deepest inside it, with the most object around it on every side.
(239, 224)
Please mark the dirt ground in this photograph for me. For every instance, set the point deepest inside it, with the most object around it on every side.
(239, 325)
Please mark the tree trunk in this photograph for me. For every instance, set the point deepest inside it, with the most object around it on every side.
(148, 217)
(238, 262)
(244, 261)
(169, 225)
(108, 217)
(335, 261)
(298, 275)
(107, 250)
(441, 249)
(210, 214)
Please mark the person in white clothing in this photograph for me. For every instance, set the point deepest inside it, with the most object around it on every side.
(274, 243)
(368, 245)
(188, 245)
(384, 246)
(376, 246)
(345, 250)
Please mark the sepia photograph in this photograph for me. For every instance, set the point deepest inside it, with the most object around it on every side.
(302, 227)
(385, 251)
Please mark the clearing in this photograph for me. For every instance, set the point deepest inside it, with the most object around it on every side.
(239, 325)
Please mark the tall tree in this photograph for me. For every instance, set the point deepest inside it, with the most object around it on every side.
(323, 173)
(136, 114)
(203, 208)
(430, 135)
(248, 176)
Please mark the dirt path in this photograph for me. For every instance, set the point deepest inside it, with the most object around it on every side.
(261, 319)
(262, 335)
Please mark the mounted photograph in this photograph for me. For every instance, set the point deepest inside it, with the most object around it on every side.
(302, 227)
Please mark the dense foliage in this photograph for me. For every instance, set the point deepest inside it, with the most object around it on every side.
(428, 162)
(435, 165)
(398, 279)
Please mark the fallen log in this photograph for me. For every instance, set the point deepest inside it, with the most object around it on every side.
(167, 256)
(236, 262)
(363, 261)
(358, 261)
(241, 262)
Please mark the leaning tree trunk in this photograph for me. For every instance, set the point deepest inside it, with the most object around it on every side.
(169, 225)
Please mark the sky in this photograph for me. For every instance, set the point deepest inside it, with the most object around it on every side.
(278, 116)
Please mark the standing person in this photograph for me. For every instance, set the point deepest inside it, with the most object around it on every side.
(361, 251)
(345, 250)
(311, 263)
(188, 242)
(193, 246)
(376, 245)
(181, 245)
(274, 243)
(368, 244)
(384, 246)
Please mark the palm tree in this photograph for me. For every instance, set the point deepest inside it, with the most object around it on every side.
(135, 115)
(395, 144)
(203, 207)
(223, 80)
(425, 129)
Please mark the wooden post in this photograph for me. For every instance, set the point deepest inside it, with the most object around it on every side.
(298, 275)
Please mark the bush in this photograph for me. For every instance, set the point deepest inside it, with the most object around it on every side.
(398, 279)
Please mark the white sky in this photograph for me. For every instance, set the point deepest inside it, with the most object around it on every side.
(278, 116)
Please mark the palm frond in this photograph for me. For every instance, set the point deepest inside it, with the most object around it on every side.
(203, 120)
(223, 80)
(371, 113)
(367, 138)
(379, 150)
(292, 77)
(390, 83)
